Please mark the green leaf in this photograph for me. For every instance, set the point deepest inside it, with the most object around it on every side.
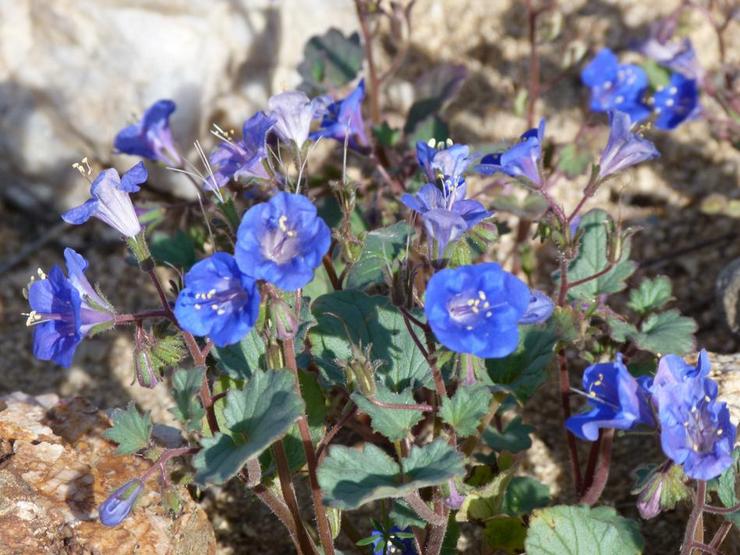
(573, 161)
(658, 76)
(403, 516)
(581, 530)
(240, 360)
(485, 502)
(185, 387)
(394, 424)
(523, 371)
(652, 294)
(506, 534)
(465, 408)
(386, 135)
(177, 250)
(316, 409)
(514, 438)
(350, 477)
(726, 487)
(452, 535)
(381, 250)
(350, 317)
(256, 416)
(433, 90)
(667, 332)
(523, 495)
(130, 430)
(330, 61)
(592, 259)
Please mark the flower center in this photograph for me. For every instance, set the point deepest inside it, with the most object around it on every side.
(468, 310)
(701, 429)
(231, 298)
(281, 244)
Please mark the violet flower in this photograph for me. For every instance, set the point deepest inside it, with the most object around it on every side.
(521, 160)
(624, 148)
(151, 137)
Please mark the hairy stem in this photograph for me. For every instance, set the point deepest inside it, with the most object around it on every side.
(695, 518)
(286, 484)
(595, 487)
(422, 509)
(322, 521)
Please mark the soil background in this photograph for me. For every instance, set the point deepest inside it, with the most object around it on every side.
(490, 39)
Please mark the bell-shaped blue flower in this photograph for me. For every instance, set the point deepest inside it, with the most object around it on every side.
(293, 112)
(282, 241)
(677, 102)
(64, 310)
(151, 137)
(343, 120)
(616, 398)
(110, 201)
(672, 370)
(676, 55)
(118, 505)
(218, 300)
(539, 310)
(624, 148)
(521, 160)
(616, 86)
(445, 219)
(696, 431)
(243, 159)
(445, 164)
(476, 309)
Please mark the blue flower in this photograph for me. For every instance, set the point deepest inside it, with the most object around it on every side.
(476, 309)
(243, 158)
(624, 148)
(118, 505)
(445, 165)
(343, 119)
(521, 160)
(616, 86)
(696, 431)
(110, 201)
(676, 102)
(676, 55)
(390, 544)
(218, 300)
(672, 370)
(282, 241)
(151, 137)
(617, 399)
(539, 310)
(445, 219)
(64, 310)
(293, 112)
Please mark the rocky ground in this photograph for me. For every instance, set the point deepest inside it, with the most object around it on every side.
(489, 38)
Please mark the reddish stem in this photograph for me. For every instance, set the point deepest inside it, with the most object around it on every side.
(601, 474)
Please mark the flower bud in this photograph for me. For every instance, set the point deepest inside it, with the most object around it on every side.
(284, 319)
(360, 369)
(117, 507)
(146, 373)
(659, 489)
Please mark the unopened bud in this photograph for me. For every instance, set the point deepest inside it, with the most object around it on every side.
(146, 374)
(659, 489)
(284, 319)
(118, 505)
(360, 369)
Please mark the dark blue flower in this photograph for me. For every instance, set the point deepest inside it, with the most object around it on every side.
(244, 158)
(110, 201)
(616, 86)
(696, 431)
(389, 543)
(476, 309)
(539, 310)
(677, 102)
(151, 137)
(282, 241)
(521, 160)
(343, 119)
(64, 310)
(445, 218)
(617, 399)
(118, 505)
(293, 112)
(624, 148)
(218, 300)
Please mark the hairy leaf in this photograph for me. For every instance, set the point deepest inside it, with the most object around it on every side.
(581, 530)
(130, 430)
(330, 61)
(652, 294)
(465, 408)
(394, 424)
(185, 387)
(240, 360)
(381, 250)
